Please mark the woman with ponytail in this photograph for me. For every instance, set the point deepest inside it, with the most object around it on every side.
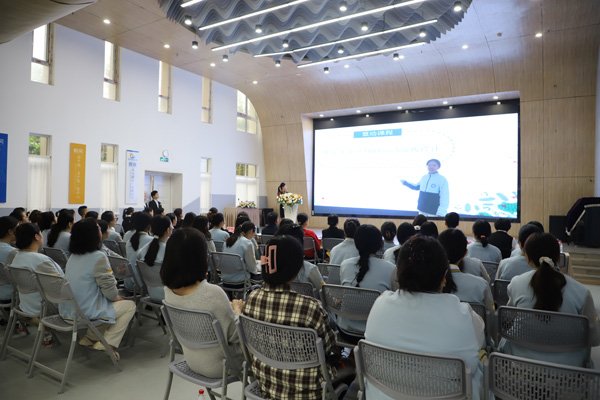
(153, 253)
(546, 288)
(365, 271)
(201, 223)
(240, 243)
(480, 248)
(140, 238)
(60, 233)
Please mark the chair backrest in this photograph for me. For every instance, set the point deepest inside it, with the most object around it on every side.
(309, 243)
(515, 378)
(491, 268)
(304, 288)
(193, 328)
(4, 275)
(563, 263)
(479, 310)
(264, 239)
(331, 273)
(120, 267)
(24, 279)
(119, 229)
(58, 255)
(112, 245)
(405, 374)
(55, 289)
(150, 274)
(348, 301)
(543, 330)
(500, 292)
(228, 263)
(219, 244)
(330, 243)
(123, 247)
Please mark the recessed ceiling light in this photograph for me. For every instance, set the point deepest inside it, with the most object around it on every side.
(346, 66)
(343, 6)
(321, 115)
(450, 107)
(286, 44)
(258, 28)
(401, 57)
(364, 26)
(213, 64)
(396, 56)
(457, 6)
(255, 82)
(465, 46)
(106, 21)
(367, 115)
(444, 102)
(358, 111)
(331, 119)
(166, 46)
(422, 33)
(225, 58)
(340, 50)
(187, 20)
(278, 63)
(399, 107)
(326, 70)
(498, 103)
(539, 34)
(194, 45)
(495, 97)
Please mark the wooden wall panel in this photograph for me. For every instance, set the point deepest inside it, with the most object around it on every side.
(532, 139)
(509, 19)
(319, 90)
(532, 203)
(352, 89)
(560, 14)
(295, 160)
(275, 151)
(475, 77)
(427, 83)
(387, 81)
(561, 193)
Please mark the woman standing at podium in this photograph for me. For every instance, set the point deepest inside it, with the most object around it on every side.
(281, 190)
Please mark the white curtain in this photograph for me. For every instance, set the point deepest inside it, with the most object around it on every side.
(246, 189)
(110, 176)
(205, 192)
(38, 194)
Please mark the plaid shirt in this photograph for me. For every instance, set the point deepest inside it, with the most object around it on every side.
(279, 305)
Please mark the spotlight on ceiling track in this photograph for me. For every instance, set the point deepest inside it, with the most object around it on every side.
(285, 44)
(539, 34)
(167, 46)
(187, 20)
(326, 70)
(106, 21)
(457, 6)
(396, 56)
(225, 58)
(422, 33)
(194, 45)
(343, 6)
(258, 28)
(213, 64)
(364, 27)
(255, 82)
(278, 63)
(340, 50)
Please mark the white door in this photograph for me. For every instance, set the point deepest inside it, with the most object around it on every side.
(161, 183)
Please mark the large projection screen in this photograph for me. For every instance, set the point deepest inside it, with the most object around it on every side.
(380, 165)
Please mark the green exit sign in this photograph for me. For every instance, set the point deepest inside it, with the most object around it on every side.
(164, 159)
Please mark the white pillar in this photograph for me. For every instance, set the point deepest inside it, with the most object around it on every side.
(597, 165)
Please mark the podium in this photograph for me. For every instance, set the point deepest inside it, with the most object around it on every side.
(290, 212)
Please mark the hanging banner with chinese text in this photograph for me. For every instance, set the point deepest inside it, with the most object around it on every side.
(132, 176)
(77, 174)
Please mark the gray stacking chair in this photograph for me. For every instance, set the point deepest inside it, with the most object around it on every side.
(305, 289)
(500, 292)
(231, 263)
(564, 262)
(544, 331)
(348, 302)
(123, 247)
(58, 255)
(516, 378)
(264, 239)
(122, 270)
(309, 244)
(151, 277)
(330, 243)
(119, 229)
(331, 273)
(4, 280)
(283, 347)
(491, 268)
(114, 246)
(411, 375)
(480, 310)
(219, 244)
(197, 330)
(56, 289)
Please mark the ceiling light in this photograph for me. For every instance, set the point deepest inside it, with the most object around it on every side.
(258, 28)
(444, 102)
(465, 46)
(495, 97)
(539, 34)
(498, 103)
(401, 56)
(358, 111)
(278, 63)
(399, 107)
(367, 115)
(343, 6)
(285, 44)
(340, 50)
(225, 58)
(166, 46)
(213, 64)
(422, 33)
(106, 21)
(457, 6)
(331, 119)
(326, 70)
(364, 26)
(359, 37)
(187, 20)
(252, 14)
(320, 23)
(346, 66)
(396, 56)
(255, 82)
(366, 54)
(321, 115)
(189, 3)
(450, 108)
(194, 45)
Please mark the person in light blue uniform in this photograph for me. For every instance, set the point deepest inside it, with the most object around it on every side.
(517, 265)
(480, 248)
(47, 219)
(29, 242)
(217, 232)
(404, 232)
(419, 317)
(104, 230)
(140, 238)
(388, 230)
(309, 273)
(8, 225)
(434, 194)
(153, 253)
(109, 217)
(346, 249)
(95, 288)
(547, 289)
(60, 233)
(474, 266)
(240, 243)
(364, 271)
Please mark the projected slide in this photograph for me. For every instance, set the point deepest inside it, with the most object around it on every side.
(467, 165)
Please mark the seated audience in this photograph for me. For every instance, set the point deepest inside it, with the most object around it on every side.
(109, 217)
(140, 238)
(364, 271)
(29, 242)
(545, 288)
(183, 272)
(82, 210)
(271, 226)
(240, 243)
(104, 231)
(201, 223)
(95, 288)
(60, 233)
(302, 219)
(309, 273)
(46, 221)
(419, 317)
(20, 215)
(405, 231)
(517, 264)
(276, 303)
(333, 231)
(127, 223)
(429, 228)
(35, 216)
(210, 215)
(188, 220)
(285, 221)
(452, 220)
(8, 225)
(480, 248)
(501, 239)
(217, 232)
(92, 214)
(388, 230)
(346, 249)
(418, 221)
(153, 253)
(520, 250)
(178, 212)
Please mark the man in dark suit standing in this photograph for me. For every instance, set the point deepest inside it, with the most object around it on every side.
(154, 204)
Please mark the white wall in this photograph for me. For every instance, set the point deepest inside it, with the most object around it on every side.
(73, 110)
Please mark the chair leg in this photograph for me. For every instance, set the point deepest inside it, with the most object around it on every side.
(108, 348)
(36, 349)
(169, 382)
(69, 358)
(10, 328)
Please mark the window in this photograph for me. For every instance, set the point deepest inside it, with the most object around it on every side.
(205, 184)
(40, 173)
(110, 87)
(164, 87)
(246, 183)
(43, 49)
(247, 120)
(207, 85)
(109, 172)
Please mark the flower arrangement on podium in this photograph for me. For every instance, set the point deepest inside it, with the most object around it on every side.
(289, 199)
(247, 204)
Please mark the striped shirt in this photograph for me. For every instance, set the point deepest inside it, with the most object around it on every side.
(277, 304)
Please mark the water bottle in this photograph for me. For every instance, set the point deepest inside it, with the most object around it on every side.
(47, 338)
(560, 245)
(201, 395)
